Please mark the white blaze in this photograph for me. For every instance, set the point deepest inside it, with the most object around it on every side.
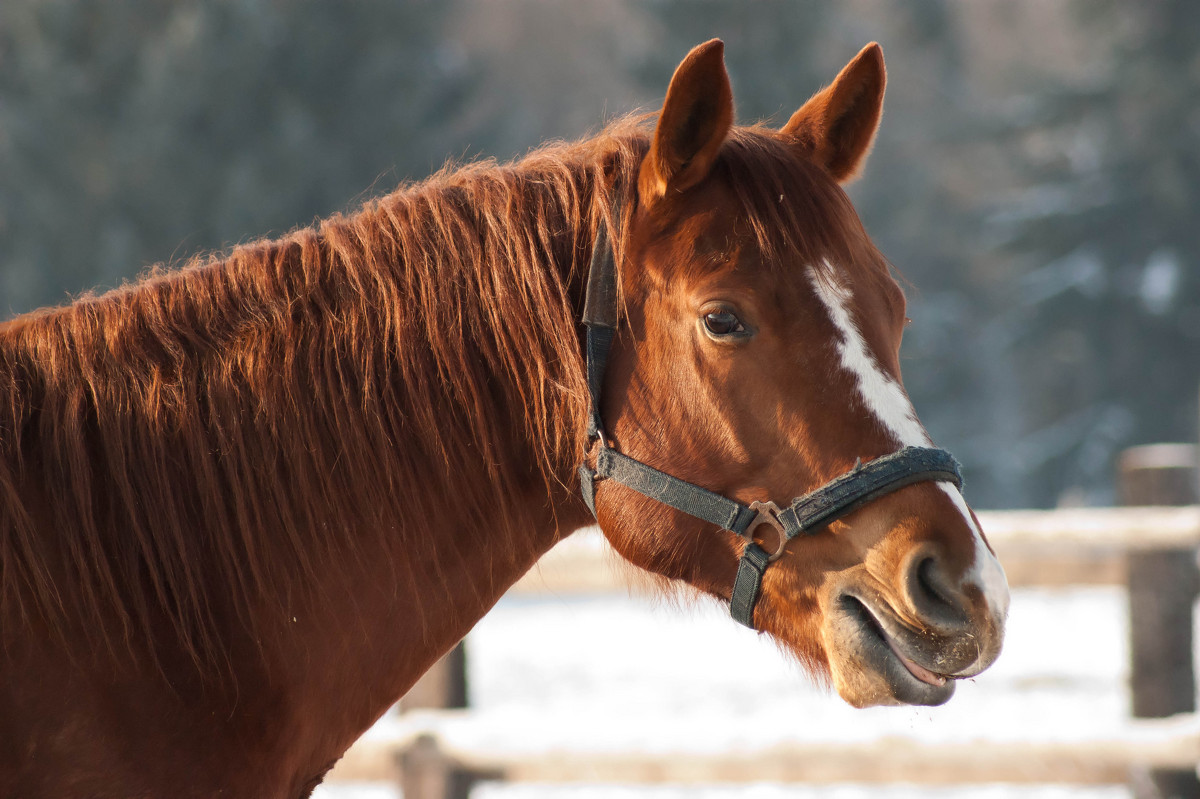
(884, 397)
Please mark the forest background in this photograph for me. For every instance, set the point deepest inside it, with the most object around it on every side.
(1036, 180)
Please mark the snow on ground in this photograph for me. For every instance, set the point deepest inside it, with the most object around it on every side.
(612, 673)
(496, 791)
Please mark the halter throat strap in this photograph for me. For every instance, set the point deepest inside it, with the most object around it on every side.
(804, 516)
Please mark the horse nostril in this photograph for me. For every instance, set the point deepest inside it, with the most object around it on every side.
(927, 580)
(932, 592)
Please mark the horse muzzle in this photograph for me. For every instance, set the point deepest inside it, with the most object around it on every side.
(912, 649)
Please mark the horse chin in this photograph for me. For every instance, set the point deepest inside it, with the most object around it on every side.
(867, 667)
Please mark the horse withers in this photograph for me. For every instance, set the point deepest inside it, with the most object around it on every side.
(246, 503)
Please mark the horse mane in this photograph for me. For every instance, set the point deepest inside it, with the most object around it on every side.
(316, 384)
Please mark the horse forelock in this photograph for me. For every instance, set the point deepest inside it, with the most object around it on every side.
(801, 220)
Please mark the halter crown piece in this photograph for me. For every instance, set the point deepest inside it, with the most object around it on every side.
(805, 515)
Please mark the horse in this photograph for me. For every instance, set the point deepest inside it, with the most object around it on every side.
(245, 503)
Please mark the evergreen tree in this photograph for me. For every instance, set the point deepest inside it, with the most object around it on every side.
(1107, 329)
(145, 130)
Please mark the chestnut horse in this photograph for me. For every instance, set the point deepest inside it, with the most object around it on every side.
(245, 504)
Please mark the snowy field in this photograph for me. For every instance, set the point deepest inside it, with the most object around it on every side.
(618, 674)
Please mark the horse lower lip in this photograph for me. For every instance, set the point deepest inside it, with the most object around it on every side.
(915, 669)
(920, 672)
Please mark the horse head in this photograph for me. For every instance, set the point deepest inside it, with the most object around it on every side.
(758, 358)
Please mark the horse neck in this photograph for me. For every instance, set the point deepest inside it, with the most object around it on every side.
(333, 460)
(479, 494)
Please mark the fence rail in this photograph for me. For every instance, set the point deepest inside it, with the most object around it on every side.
(1071, 546)
(1157, 743)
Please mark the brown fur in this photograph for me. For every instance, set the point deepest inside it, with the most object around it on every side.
(306, 385)
(838, 124)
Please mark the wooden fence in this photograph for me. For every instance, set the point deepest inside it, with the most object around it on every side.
(1151, 547)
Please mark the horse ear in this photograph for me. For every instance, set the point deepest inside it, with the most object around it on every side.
(695, 119)
(838, 124)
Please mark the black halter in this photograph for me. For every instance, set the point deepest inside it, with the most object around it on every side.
(806, 514)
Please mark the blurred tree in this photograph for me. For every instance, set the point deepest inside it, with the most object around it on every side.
(1051, 328)
(777, 56)
(1107, 327)
(136, 131)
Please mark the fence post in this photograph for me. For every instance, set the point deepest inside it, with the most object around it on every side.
(1162, 587)
(426, 772)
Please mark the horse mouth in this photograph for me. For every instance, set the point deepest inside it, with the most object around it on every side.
(888, 664)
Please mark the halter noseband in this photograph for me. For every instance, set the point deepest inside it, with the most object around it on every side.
(807, 514)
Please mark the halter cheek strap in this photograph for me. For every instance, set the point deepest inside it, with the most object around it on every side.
(805, 515)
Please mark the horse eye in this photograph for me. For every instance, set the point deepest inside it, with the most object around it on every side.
(723, 323)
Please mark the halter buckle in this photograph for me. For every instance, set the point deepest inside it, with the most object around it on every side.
(767, 513)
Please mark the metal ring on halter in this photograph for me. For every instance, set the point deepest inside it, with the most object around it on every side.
(767, 513)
